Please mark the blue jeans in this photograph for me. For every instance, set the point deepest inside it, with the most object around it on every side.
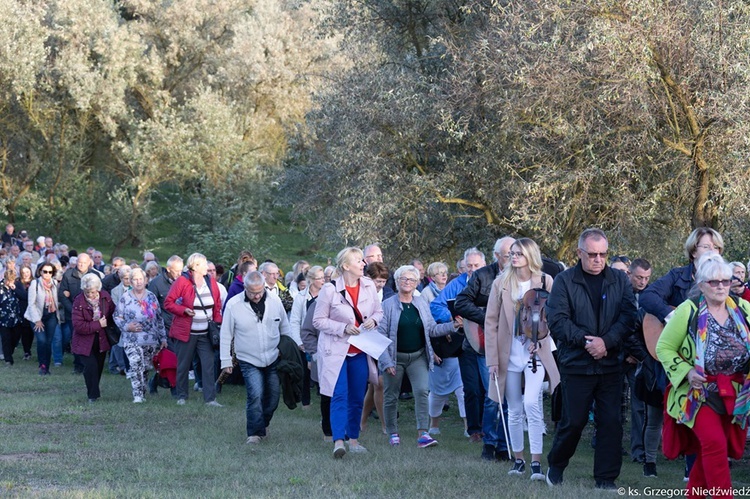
(348, 397)
(492, 423)
(473, 390)
(263, 391)
(44, 339)
(61, 339)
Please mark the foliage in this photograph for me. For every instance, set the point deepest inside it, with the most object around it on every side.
(536, 119)
(104, 103)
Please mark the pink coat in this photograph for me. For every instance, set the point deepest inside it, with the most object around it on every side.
(333, 313)
(498, 335)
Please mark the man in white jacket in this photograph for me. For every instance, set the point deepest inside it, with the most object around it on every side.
(255, 320)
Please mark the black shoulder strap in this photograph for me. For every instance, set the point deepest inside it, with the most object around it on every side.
(357, 315)
(544, 281)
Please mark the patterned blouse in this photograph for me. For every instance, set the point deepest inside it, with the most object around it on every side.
(726, 352)
(147, 313)
(10, 313)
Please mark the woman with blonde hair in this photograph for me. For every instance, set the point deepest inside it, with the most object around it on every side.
(344, 308)
(511, 356)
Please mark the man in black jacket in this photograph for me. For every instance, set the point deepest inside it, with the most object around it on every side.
(481, 410)
(590, 311)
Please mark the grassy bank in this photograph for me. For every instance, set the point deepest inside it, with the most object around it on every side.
(55, 444)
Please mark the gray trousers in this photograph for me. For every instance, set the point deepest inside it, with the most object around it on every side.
(185, 351)
(652, 432)
(415, 365)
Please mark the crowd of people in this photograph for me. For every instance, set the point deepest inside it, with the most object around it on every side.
(368, 337)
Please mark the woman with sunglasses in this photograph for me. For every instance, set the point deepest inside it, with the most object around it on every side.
(509, 353)
(408, 323)
(44, 313)
(705, 349)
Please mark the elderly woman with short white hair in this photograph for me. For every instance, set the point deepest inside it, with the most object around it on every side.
(738, 287)
(138, 316)
(92, 313)
(194, 300)
(408, 323)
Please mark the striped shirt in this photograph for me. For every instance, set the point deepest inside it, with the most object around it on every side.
(202, 312)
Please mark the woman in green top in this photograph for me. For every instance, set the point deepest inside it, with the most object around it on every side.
(408, 323)
(704, 349)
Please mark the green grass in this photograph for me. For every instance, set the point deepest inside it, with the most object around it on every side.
(54, 444)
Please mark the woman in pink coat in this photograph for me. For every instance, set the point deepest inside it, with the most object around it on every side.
(344, 308)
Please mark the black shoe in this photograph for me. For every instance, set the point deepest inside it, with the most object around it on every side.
(606, 485)
(649, 469)
(519, 467)
(405, 396)
(554, 476)
(536, 471)
(488, 452)
(502, 455)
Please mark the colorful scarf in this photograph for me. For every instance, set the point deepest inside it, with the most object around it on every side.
(49, 299)
(697, 396)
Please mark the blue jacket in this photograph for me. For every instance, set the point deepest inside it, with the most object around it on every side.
(669, 291)
(439, 306)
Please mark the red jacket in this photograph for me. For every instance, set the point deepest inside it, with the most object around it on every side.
(85, 327)
(180, 298)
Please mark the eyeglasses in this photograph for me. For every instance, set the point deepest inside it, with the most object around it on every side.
(517, 254)
(406, 280)
(715, 283)
(593, 256)
(707, 247)
(48, 271)
(259, 293)
(440, 273)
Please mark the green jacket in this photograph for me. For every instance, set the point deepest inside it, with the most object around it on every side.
(676, 352)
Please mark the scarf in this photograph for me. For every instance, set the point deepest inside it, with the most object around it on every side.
(434, 288)
(49, 298)
(95, 306)
(697, 396)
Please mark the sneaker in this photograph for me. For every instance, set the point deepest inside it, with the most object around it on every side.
(426, 441)
(197, 387)
(253, 439)
(58, 364)
(339, 451)
(181, 402)
(214, 403)
(554, 476)
(466, 434)
(394, 440)
(649, 469)
(519, 467)
(536, 471)
(606, 485)
(357, 449)
(434, 431)
(27, 356)
(43, 370)
(191, 374)
(488, 452)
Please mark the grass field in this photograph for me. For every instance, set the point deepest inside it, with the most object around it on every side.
(55, 444)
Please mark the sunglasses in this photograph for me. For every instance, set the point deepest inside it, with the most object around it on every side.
(48, 271)
(620, 258)
(715, 283)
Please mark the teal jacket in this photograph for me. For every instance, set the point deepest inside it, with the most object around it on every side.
(676, 352)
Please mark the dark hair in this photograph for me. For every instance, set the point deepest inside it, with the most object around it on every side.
(219, 269)
(64, 260)
(72, 253)
(641, 263)
(242, 269)
(41, 267)
(377, 270)
(300, 278)
(620, 258)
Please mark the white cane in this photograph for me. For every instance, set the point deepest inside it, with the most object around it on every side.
(502, 416)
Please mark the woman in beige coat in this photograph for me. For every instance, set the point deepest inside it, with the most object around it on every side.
(509, 353)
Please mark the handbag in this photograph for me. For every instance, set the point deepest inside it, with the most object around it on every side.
(214, 333)
(113, 334)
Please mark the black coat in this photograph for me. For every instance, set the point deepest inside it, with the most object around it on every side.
(571, 317)
(290, 371)
(471, 303)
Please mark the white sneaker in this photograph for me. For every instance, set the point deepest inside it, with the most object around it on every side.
(214, 403)
(138, 400)
(181, 402)
(434, 431)
(253, 439)
(191, 374)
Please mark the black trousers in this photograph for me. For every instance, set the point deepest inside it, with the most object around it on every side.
(93, 365)
(578, 392)
(10, 337)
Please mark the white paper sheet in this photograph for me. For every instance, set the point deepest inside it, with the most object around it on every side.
(370, 341)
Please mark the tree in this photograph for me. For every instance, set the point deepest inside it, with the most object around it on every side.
(540, 119)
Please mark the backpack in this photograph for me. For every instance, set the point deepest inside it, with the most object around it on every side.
(532, 318)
